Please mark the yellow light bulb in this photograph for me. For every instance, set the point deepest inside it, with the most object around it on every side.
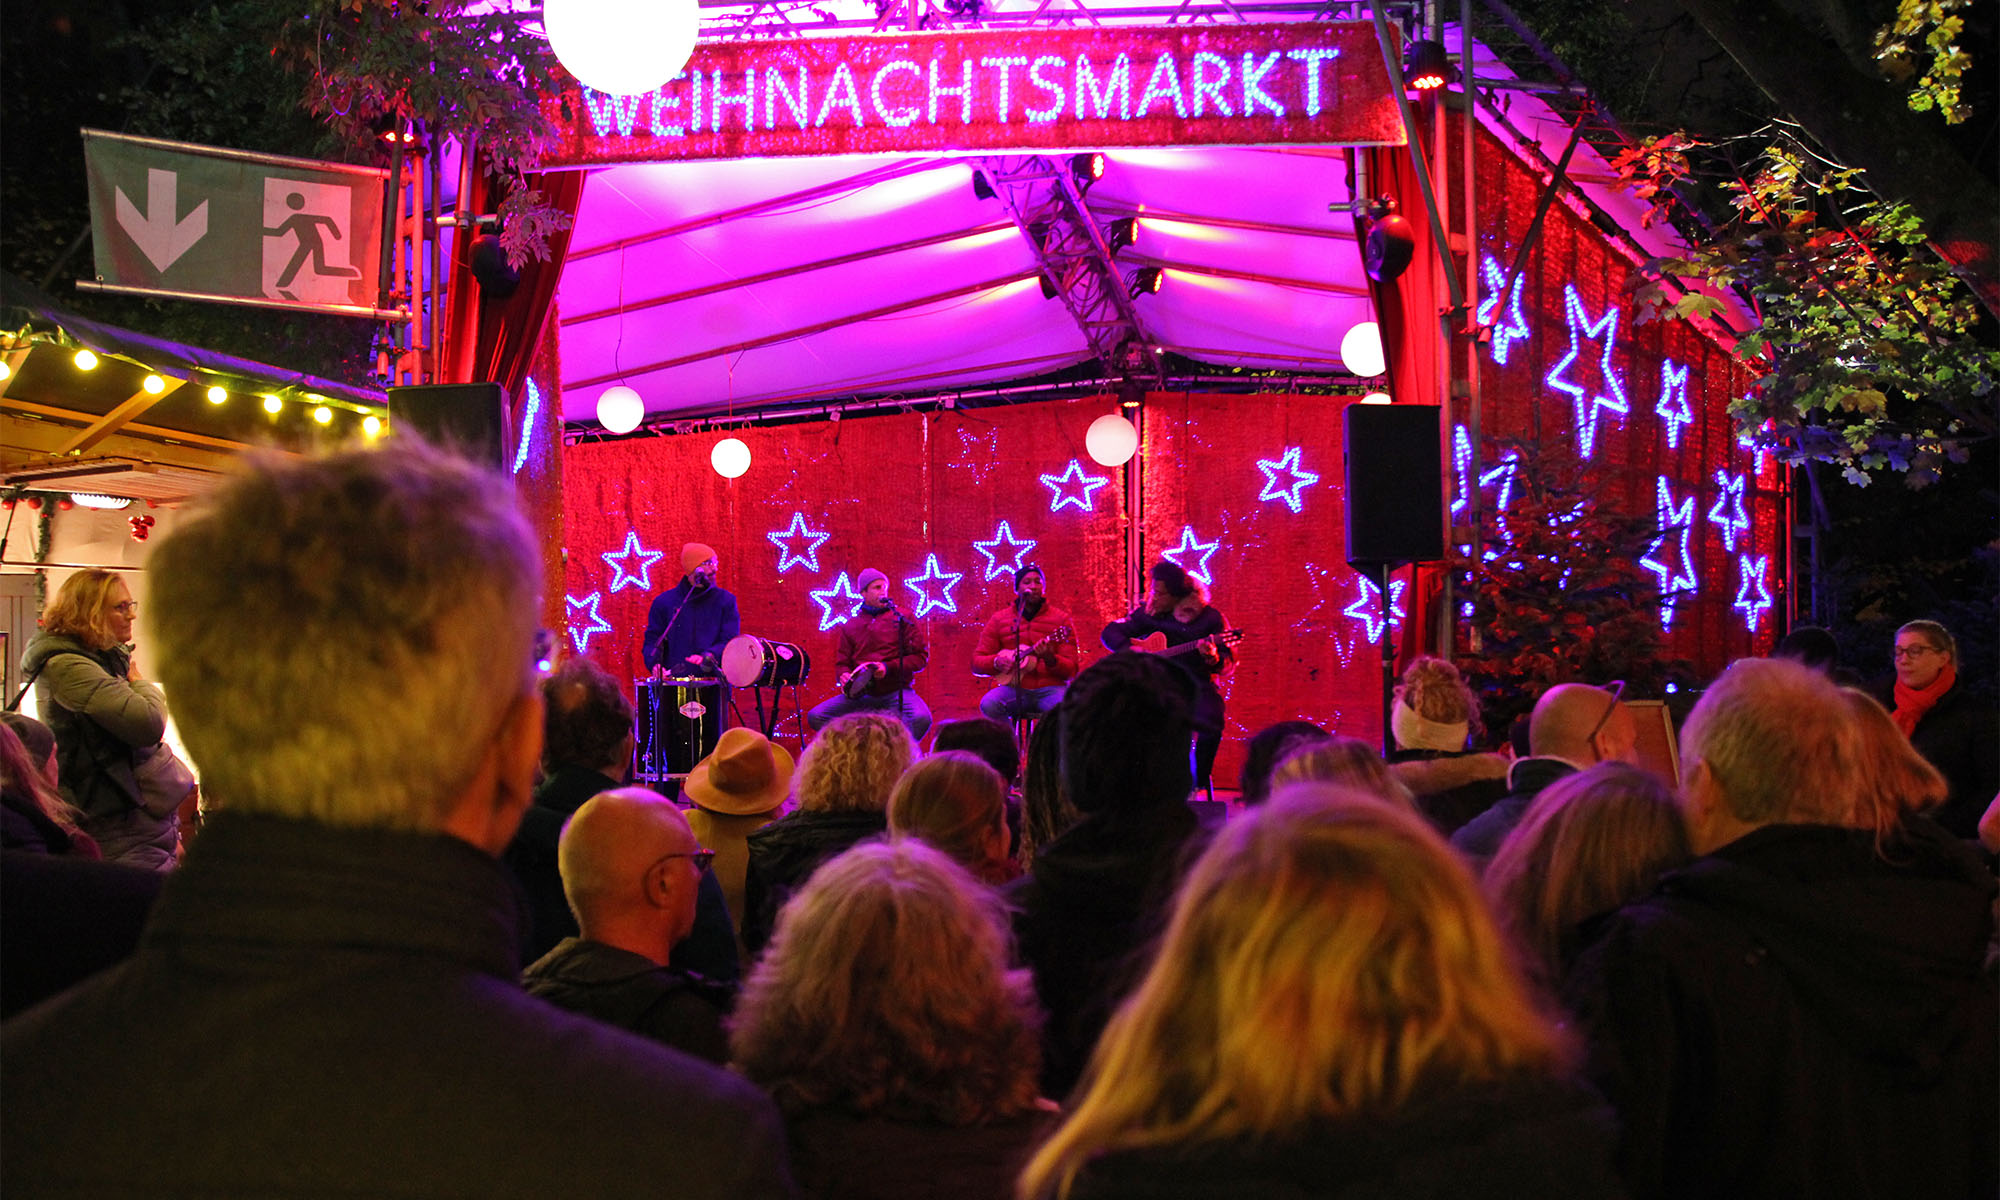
(154, 385)
(371, 425)
(323, 415)
(217, 395)
(85, 360)
(273, 405)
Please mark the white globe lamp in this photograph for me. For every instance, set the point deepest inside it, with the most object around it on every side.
(622, 47)
(730, 458)
(1361, 350)
(620, 409)
(1111, 440)
(1377, 398)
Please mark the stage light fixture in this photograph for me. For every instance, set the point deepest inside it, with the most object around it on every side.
(620, 409)
(216, 394)
(622, 47)
(1147, 279)
(153, 385)
(982, 188)
(85, 360)
(1049, 288)
(1086, 169)
(1426, 66)
(100, 500)
(1121, 233)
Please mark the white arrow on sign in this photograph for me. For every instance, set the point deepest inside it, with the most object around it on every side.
(160, 237)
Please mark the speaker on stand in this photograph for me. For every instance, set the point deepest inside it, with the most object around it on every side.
(1395, 506)
(469, 419)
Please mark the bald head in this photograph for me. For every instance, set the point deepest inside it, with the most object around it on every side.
(1583, 724)
(627, 871)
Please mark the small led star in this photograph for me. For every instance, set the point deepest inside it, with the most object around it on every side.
(1190, 544)
(1364, 607)
(837, 603)
(1073, 477)
(1751, 605)
(1674, 519)
(1501, 478)
(529, 412)
(934, 576)
(1513, 324)
(789, 555)
(1758, 453)
(1585, 402)
(998, 564)
(1673, 403)
(1297, 479)
(580, 633)
(1728, 513)
(619, 561)
(1461, 463)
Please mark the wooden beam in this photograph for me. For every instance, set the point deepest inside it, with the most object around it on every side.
(29, 444)
(133, 405)
(156, 432)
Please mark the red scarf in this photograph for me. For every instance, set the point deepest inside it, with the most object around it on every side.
(1913, 703)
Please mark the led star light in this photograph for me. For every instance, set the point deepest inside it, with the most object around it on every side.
(1586, 403)
(934, 577)
(580, 632)
(1297, 479)
(1364, 606)
(532, 410)
(1512, 325)
(1673, 519)
(1728, 513)
(837, 603)
(1461, 463)
(1192, 545)
(622, 573)
(786, 540)
(1072, 487)
(1015, 558)
(1751, 605)
(1501, 478)
(1673, 403)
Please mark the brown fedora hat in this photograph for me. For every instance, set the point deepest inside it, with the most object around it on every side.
(745, 775)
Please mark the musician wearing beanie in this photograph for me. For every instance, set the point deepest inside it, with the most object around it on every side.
(880, 653)
(1031, 648)
(691, 622)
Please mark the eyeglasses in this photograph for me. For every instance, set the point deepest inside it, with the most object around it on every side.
(701, 859)
(1902, 652)
(1616, 690)
(126, 609)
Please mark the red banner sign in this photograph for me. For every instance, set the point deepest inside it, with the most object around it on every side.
(999, 90)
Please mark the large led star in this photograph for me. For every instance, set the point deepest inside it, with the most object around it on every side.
(580, 633)
(1673, 402)
(1728, 513)
(1674, 519)
(1512, 324)
(837, 603)
(1190, 544)
(622, 573)
(1586, 402)
(934, 577)
(1010, 562)
(1364, 608)
(1297, 479)
(787, 542)
(1752, 605)
(1072, 487)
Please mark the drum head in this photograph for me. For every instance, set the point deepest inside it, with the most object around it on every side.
(743, 660)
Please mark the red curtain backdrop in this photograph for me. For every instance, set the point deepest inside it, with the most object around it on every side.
(494, 342)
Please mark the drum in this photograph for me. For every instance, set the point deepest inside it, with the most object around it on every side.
(750, 661)
(675, 723)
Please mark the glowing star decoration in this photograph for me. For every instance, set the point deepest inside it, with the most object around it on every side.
(1752, 604)
(938, 579)
(581, 630)
(529, 412)
(1365, 605)
(836, 604)
(1586, 402)
(1728, 513)
(1461, 465)
(1193, 545)
(1672, 406)
(1757, 453)
(1511, 325)
(998, 564)
(1297, 479)
(1072, 487)
(620, 562)
(786, 540)
(1674, 519)
(1501, 478)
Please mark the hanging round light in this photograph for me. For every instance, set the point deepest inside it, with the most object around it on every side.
(1377, 398)
(1361, 350)
(620, 409)
(622, 47)
(1112, 440)
(730, 458)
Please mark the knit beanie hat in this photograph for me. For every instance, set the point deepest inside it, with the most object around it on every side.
(1026, 570)
(693, 555)
(868, 576)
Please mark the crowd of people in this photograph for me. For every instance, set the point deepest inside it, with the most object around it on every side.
(429, 942)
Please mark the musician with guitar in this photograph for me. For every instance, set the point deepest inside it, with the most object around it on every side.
(880, 652)
(1031, 646)
(1177, 620)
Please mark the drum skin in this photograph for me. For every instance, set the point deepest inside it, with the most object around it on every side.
(751, 661)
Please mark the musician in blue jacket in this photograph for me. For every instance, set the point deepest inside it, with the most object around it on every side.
(691, 622)
(1177, 608)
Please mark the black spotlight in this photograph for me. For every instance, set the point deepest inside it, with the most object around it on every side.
(1147, 279)
(1049, 288)
(497, 278)
(1426, 66)
(1121, 233)
(1086, 169)
(1390, 244)
(981, 186)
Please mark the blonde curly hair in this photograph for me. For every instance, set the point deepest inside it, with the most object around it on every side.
(853, 764)
(1434, 690)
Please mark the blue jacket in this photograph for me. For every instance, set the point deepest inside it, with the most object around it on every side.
(704, 629)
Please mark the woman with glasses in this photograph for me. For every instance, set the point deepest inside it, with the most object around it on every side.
(1954, 730)
(108, 719)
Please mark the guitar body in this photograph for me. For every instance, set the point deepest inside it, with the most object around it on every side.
(1210, 648)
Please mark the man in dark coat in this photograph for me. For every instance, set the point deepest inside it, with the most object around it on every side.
(1798, 1012)
(1573, 726)
(325, 1000)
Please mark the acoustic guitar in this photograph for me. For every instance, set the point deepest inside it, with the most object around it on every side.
(1059, 636)
(1210, 646)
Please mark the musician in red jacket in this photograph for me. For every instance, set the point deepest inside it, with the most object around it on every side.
(880, 653)
(1177, 616)
(1030, 647)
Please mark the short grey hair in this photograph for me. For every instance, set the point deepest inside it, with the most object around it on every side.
(1780, 742)
(342, 637)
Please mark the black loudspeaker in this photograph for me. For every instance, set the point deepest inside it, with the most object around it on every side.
(1395, 484)
(469, 419)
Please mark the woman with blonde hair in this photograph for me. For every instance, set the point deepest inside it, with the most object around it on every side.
(1588, 844)
(1348, 762)
(1435, 718)
(887, 1025)
(954, 802)
(1892, 781)
(1331, 1012)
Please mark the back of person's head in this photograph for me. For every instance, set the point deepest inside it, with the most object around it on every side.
(23, 776)
(853, 764)
(1125, 729)
(1891, 779)
(1582, 724)
(989, 739)
(886, 992)
(1328, 955)
(627, 870)
(37, 739)
(1045, 808)
(586, 718)
(1810, 645)
(1433, 708)
(346, 637)
(1588, 843)
(1349, 762)
(1777, 739)
(81, 608)
(1265, 748)
(954, 802)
